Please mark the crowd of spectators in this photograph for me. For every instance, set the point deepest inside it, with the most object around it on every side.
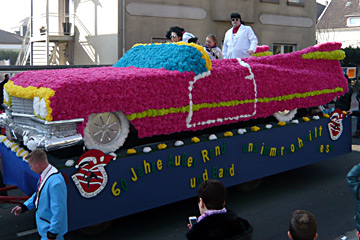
(240, 40)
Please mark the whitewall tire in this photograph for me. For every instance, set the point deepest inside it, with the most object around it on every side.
(286, 115)
(106, 131)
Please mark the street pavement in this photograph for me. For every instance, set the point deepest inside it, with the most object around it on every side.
(351, 235)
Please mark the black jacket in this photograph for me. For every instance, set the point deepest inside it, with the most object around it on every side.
(355, 113)
(344, 102)
(223, 226)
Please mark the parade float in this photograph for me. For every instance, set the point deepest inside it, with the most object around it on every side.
(162, 89)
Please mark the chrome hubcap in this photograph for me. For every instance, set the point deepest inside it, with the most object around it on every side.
(105, 127)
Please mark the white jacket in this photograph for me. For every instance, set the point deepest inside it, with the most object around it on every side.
(238, 45)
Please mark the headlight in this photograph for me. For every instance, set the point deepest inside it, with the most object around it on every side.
(36, 106)
(39, 106)
(43, 110)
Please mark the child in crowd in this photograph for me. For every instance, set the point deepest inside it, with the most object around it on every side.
(216, 222)
(211, 48)
(302, 226)
(354, 183)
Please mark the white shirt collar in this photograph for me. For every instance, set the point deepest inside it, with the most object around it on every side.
(46, 171)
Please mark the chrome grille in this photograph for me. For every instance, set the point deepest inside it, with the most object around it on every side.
(21, 105)
(24, 121)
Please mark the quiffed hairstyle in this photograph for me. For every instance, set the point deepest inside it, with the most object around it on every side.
(236, 15)
(37, 155)
(178, 30)
(302, 225)
(213, 194)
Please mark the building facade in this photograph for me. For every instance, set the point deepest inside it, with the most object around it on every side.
(101, 31)
(340, 22)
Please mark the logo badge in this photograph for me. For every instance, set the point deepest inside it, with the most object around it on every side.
(91, 178)
(335, 125)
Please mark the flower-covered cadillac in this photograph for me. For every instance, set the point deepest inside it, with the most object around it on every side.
(163, 89)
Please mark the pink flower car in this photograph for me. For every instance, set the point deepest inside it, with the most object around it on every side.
(164, 89)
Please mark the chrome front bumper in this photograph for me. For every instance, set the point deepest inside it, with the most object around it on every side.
(37, 133)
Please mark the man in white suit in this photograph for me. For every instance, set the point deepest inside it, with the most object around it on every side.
(50, 199)
(240, 40)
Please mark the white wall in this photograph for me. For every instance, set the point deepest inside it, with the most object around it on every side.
(4, 62)
(96, 32)
(346, 36)
(39, 19)
(10, 46)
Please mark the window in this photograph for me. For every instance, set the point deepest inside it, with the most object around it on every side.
(271, 1)
(296, 2)
(353, 21)
(283, 48)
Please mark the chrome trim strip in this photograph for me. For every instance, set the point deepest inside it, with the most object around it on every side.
(75, 120)
(22, 115)
(32, 117)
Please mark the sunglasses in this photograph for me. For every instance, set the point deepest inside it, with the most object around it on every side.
(173, 36)
(235, 19)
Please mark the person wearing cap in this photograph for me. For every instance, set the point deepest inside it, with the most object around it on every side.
(49, 200)
(240, 40)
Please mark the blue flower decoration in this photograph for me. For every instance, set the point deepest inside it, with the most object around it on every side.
(183, 58)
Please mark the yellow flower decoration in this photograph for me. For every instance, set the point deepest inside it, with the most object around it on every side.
(306, 119)
(131, 151)
(162, 146)
(228, 134)
(262, 54)
(195, 140)
(281, 123)
(325, 115)
(15, 148)
(18, 153)
(333, 55)
(30, 93)
(255, 128)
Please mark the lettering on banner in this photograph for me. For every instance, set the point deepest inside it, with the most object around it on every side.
(185, 161)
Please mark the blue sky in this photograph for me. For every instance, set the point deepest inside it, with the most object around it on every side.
(12, 12)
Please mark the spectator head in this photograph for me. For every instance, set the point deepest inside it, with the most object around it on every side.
(236, 19)
(212, 195)
(6, 76)
(193, 40)
(189, 37)
(210, 41)
(37, 160)
(175, 34)
(302, 226)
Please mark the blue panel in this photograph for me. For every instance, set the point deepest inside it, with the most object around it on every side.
(296, 145)
(17, 172)
(173, 183)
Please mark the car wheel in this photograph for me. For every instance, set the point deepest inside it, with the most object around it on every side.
(106, 131)
(286, 115)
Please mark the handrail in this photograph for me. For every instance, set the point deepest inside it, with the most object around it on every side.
(54, 28)
(23, 53)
